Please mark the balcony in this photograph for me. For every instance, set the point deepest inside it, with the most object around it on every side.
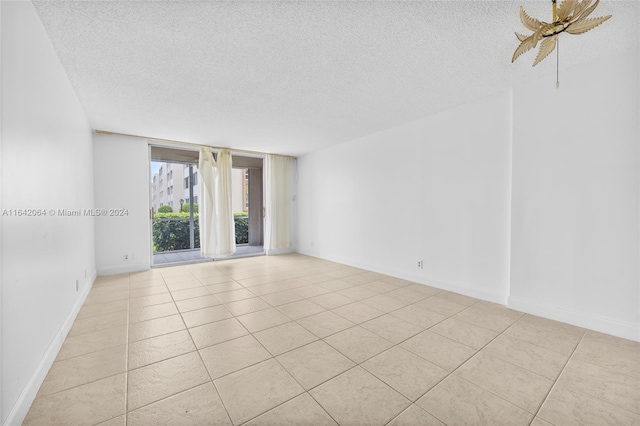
(172, 241)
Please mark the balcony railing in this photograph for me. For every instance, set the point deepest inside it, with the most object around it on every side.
(171, 233)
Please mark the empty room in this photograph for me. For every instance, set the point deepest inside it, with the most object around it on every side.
(320, 212)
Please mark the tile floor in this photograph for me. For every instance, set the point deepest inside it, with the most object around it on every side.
(295, 340)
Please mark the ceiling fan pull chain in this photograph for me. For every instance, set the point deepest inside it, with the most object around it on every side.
(558, 63)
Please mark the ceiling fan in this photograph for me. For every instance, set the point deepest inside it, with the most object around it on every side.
(572, 17)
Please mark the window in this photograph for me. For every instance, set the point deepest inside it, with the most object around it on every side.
(195, 178)
(195, 200)
(186, 182)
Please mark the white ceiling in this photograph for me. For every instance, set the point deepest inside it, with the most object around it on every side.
(292, 77)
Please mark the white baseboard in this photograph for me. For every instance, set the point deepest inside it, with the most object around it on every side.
(455, 287)
(23, 403)
(580, 319)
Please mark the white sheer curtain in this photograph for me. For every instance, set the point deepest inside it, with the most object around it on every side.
(217, 227)
(277, 237)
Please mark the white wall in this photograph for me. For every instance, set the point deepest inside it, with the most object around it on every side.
(576, 186)
(436, 190)
(47, 163)
(122, 181)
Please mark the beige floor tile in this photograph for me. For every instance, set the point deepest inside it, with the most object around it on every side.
(91, 403)
(442, 305)
(152, 274)
(261, 320)
(325, 323)
(357, 397)
(358, 312)
(146, 283)
(254, 390)
(384, 303)
(315, 363)
(217, 332)
(407, 295)
(465, 333)
(116, 421)
(107, 297)
(456, 401)
(607, 385)
(300, 411)
(559, 337)
(218, 280)
(97, 323)
(357, 293)
(358, 344)
(247, 306)
(92, 342)
(159, 348)
(233, 355)
(284, 338)
(438, 349)
(148, 291)
(223, 286)
(155, 327)
(335, 285)
(515, 384)
(534, 358)
(190, 293)
(173, 271)
(311, 291)
(424, 289)
(152, 312)
(331, 300)
(282, 297)
(76, 371)
(489, 320)
(460, 299)
(397, 282)
(181, 278)
(205, 316)
(568, 407)
(540, 422)
(234, 295)
(614, 353)
(415, 416)
(419, 316)
(198, 406)
(88, 311)
(160, 380)
(319, 278)
(184, 285)
(379, 287)
(197, 303)
(154, 299)
(392, 328)
(300, 309)
(405, 372)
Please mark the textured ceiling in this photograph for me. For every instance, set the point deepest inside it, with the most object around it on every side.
(292, 77)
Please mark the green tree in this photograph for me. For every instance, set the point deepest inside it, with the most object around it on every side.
(165, 209)
(185, 208)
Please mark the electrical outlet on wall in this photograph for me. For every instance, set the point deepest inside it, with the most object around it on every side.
(420, 264)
